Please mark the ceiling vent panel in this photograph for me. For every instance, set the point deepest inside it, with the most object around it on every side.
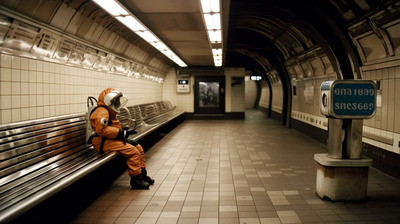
(64, 49)
(5, 24)
(90, 57)
(77, 54)
(21, 36)
(46, 43)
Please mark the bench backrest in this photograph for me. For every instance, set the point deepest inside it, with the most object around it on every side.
(148, 110)
(144, 113)
(23, 144)
(162, 107)
(134, 113)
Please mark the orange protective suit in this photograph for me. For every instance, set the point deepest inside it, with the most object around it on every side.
(99, 120)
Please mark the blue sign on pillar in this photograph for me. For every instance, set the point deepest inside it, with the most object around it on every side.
(348, 99)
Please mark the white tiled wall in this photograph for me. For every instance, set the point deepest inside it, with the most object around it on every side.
(229, 74)
(387, 115)
(250, 92)
(183, 101)
(386, 122)
(32, 88)
(277, 99)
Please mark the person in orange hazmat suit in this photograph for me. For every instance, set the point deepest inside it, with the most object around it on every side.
(111, 137)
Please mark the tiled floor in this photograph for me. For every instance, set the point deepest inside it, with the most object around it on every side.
(238, 171)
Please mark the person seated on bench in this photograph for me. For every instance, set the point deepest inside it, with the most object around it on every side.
(110, 136)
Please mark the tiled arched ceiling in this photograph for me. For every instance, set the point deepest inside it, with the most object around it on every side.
(290, 29)
(276, 30)
(284, 27)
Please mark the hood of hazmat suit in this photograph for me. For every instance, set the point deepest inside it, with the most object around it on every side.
(114, 100)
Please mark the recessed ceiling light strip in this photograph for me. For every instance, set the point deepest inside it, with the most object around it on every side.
(212, 18)
(116, 10)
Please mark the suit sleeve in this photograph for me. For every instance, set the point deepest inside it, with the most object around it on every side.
(99, 121)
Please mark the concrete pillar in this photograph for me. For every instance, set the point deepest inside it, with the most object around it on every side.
(342, 173)
(335, 138)
(342, 179)
(354, 139)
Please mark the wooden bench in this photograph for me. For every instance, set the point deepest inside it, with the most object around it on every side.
(39, 158)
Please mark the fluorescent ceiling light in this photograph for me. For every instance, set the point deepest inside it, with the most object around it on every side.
(160, 46)
(112, 7)
(212, 20)
(215, 36)
(210, 6)
(217, 51)
(168, 53)
(148, 36)
(218, 62)
(115, 9)
(132, 23)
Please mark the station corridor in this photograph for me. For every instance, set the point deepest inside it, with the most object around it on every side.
(238, 171)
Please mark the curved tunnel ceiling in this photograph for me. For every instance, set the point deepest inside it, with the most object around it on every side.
(258, 34)
(274, 31)
(288, 30)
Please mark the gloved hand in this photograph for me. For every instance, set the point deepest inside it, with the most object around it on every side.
(123, 134)
(134, 143)
(131, 132)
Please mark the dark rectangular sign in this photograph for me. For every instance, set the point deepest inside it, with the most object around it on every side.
(348, 98)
